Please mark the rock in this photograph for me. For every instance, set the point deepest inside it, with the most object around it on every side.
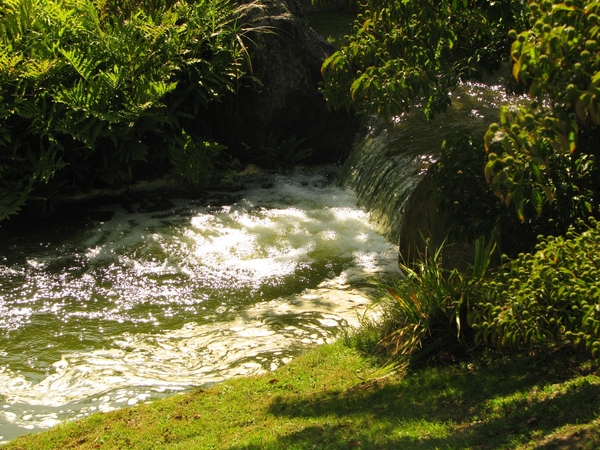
(424, 229)
(249, 169)
(286, 57)
(328, 6)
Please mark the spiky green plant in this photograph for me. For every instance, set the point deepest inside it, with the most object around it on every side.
(425, 311)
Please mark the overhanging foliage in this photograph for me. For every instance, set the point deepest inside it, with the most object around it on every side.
(407, 52)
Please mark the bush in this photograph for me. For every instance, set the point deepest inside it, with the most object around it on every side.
(93, 92)
(545, 298)
(420, 312)
(538, 154)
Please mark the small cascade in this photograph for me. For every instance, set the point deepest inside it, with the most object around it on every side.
(157, 295)
(389, 160)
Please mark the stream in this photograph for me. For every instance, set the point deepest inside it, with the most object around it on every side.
(139, 300)
(125, 303)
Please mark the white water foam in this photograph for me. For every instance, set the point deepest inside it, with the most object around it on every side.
(208, 280)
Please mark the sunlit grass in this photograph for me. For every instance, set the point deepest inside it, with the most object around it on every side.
(334, 397)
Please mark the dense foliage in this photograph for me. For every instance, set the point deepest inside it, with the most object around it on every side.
(472, 210)
(548, 150)
(408, 52)
(535, 172)
(546, 297)
(99, 93)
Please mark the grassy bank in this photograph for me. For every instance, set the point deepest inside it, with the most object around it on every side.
(335, 397)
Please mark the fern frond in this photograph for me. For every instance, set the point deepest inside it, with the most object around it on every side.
(10, 21)
(47, 165)
(80, 62)
(28, 109)
(158, 89)
(18, 16)
(88, 16)
(9, 62)
(12, 197)
(92, 96)
(112, 78)
(134, 151)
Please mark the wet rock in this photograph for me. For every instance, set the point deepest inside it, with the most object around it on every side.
(285, 102)
(424, 229)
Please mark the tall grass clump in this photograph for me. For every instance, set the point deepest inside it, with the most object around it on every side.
(97, 93)
(425, 310)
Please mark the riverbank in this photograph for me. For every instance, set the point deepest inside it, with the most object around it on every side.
(337, 397)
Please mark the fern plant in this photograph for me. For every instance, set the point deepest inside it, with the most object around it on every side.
(96, 92)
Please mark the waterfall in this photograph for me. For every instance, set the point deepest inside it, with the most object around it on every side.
(388, 160)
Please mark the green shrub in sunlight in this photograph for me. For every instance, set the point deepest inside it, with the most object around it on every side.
(546, 298)
(92, 93)
(537, 154)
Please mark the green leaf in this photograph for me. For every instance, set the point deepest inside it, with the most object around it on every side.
(537, 201)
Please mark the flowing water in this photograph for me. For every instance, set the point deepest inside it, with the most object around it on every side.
(134, 301)
(389, 160)
(138, 301)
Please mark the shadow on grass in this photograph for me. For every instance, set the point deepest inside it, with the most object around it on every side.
(509, 403)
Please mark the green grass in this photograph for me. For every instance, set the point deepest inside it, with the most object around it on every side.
(333, 26)
(334, 397)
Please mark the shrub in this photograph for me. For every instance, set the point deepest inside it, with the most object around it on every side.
(536, 154)
(545, 298)
(92, 98)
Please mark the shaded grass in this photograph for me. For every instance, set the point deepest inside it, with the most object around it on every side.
(334, 397)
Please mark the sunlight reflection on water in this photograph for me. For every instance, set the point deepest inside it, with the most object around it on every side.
(155, 300)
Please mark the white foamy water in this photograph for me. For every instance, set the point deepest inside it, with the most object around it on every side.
(161, 296)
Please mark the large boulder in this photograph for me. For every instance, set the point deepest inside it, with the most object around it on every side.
(425, 229)
(285, 103)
